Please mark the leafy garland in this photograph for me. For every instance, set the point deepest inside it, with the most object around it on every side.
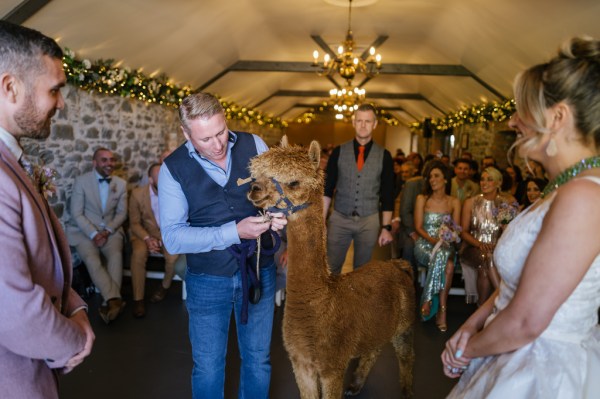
(103, 77)
(311, 115)
(482, 113)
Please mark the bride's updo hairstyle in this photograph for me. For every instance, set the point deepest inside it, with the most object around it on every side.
(573, 76)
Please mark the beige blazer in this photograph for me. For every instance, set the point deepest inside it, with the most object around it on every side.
(142, 221)
(86, 211)
(35, 294)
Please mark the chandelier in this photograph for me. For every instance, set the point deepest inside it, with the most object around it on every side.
(345, 101)
(345, 63)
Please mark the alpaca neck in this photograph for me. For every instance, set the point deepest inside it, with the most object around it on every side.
(307, 254)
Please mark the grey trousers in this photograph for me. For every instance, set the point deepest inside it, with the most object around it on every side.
(342, 230)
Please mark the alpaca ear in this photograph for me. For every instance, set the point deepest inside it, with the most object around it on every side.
(314, 153)
(284, 142)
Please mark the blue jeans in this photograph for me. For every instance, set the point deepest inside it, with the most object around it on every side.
(209, 302)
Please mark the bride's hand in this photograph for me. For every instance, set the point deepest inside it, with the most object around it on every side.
(455, 363)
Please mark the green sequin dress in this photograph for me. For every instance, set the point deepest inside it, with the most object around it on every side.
(436, 267)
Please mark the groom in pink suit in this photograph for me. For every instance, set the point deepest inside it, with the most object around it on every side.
(44, 329)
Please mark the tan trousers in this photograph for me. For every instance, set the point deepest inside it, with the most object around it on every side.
(106, 278)
(139, 257)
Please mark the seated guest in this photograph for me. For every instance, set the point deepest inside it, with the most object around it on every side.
(145, 240)
(517, 186)
(534, 187)
(462, 185)
(98, 210)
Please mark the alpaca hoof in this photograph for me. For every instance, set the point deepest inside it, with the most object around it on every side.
(352, 390)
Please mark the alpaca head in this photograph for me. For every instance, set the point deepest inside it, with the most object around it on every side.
(294, 169)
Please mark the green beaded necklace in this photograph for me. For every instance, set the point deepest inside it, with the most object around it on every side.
(570, 173)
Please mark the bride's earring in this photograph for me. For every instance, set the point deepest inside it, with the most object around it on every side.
(551, 148)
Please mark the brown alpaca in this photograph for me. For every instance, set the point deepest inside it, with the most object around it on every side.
(331, 319)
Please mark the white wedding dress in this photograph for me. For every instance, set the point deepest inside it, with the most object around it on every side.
(564, 361)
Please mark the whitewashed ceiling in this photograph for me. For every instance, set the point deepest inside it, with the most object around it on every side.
(474, 47)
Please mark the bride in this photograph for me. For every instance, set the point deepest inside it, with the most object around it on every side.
(538, 335)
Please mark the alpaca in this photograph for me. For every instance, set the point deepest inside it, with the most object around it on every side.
(331, 319)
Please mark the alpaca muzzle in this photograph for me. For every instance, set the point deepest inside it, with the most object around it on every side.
(288, 206)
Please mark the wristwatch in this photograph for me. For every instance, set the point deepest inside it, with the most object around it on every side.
(388, 227)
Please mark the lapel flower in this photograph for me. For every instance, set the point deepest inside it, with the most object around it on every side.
(43, 178)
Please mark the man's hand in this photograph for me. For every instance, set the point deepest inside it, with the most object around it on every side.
(283, 259)
(81, 319)
(278, 220)
(101, 238)
(385, 237)
(252, 227)
(153, 245)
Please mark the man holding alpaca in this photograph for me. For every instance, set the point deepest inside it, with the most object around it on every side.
(360, 175)
(205, 214)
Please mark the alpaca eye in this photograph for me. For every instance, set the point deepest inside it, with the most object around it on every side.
(293, 184)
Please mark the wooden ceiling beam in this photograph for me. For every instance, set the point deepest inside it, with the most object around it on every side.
(386, 69)
(25, 10)
(324, 46)
(376, 43)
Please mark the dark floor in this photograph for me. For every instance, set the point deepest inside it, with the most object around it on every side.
(150, 358)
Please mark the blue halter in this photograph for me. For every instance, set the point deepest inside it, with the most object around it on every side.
(290, 207)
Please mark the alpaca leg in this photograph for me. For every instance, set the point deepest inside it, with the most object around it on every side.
(403, 344)
(306, 378)
(332, 384)
(361, 373)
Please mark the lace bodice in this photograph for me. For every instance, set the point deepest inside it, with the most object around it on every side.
(578, 314)
(564, 361)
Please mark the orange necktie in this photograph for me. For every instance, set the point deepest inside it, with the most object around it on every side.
(360, 161)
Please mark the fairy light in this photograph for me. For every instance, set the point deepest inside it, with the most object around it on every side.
(104, 77)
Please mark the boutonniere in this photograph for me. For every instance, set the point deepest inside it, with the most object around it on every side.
(113, 188)
(43, 178)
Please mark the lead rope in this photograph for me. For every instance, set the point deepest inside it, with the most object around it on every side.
(266, 218)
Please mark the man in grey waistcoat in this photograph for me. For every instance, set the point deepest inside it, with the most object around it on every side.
(360, 176)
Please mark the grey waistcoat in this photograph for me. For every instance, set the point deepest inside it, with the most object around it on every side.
(358, 191)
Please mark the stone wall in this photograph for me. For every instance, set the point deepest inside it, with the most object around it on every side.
(136, 132)
(493, 139)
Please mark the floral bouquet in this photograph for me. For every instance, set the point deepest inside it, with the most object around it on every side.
(505, 212)
(448, 233)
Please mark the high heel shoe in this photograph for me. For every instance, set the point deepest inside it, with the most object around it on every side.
(443, 327)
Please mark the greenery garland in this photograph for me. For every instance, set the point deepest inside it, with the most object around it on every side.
(103, 77)
(481, 113)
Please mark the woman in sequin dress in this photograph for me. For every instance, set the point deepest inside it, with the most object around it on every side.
(481, 230)
(538, 335)
(430, 209)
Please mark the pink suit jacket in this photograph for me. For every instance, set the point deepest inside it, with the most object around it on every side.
(36, 299)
